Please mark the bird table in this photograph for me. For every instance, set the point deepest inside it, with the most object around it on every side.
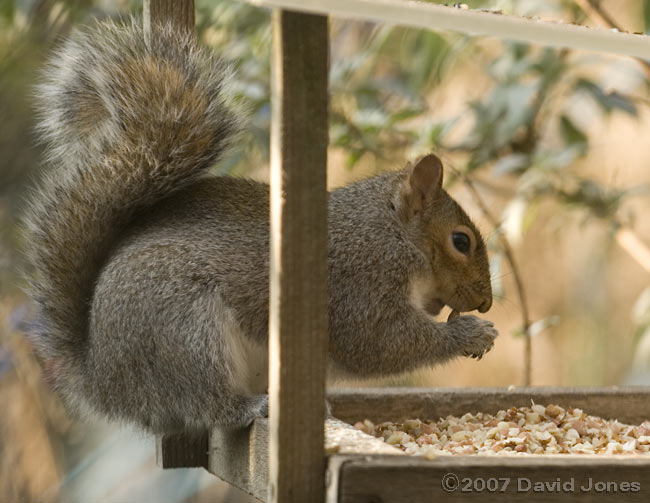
(297, 455)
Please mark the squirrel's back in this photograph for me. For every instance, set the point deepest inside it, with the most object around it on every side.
(127, 121)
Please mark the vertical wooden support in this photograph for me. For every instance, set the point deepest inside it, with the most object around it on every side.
(179, 12)
(176, 451)
(298, 310)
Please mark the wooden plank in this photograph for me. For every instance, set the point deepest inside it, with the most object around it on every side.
(182, 451)
(630, 404)
(356, 479)
(343, 438)
(240, 457)
(298, 278)
(179, 12)
(474, 22)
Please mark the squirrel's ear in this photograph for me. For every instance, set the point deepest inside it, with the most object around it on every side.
(424, 183)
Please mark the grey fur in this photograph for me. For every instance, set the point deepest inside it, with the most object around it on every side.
(152, 279)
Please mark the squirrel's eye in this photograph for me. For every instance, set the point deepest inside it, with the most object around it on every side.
(461, 241)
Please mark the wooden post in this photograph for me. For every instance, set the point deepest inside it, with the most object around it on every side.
(298, 282)
(179, 12)
(176, 451)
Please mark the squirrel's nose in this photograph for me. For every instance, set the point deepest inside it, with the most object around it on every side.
(485, 307)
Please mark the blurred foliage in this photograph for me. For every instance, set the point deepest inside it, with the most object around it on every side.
(526, 132)
(525, 129)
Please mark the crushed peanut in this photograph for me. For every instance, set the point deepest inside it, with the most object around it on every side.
(516, 431)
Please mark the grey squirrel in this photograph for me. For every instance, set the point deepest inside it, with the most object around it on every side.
(151, 276)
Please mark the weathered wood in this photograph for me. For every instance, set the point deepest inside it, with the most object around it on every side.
(182, 451)
(429, 16)
(298, 279)
(359, 469)
(343, 438)
(629, 404)
(179, 12)
(357, 479)
(240, 457)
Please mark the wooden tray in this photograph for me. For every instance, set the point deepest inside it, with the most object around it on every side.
(361, 468)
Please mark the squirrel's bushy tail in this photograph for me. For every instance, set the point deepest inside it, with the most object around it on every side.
(127, 121)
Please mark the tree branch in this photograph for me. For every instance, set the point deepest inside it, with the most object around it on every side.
(595, 11)
(519, 284)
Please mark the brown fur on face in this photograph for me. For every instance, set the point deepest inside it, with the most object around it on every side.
(461, 281)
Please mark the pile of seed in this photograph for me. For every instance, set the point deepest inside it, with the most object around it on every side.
(516, 431)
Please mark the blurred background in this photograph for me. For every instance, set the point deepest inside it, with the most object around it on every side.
(547, 149)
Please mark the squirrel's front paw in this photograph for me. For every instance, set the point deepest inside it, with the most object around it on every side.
(477, 335)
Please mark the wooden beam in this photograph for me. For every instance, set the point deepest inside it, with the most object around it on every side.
(178, 12)
(406, 479)
(360, 465)
(241, 457)
(182, 450)
(419, 14)
(629, 404)
(298, 278)
(343, 438)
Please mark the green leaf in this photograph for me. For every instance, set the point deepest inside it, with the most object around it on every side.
(352, 158)
(513, 163)
(518, 332)
(571, 134)
(608, 101)
(7, 11)
(641, 309)
(614, 100)
(539, 326)
(554, 159)
(404, 114)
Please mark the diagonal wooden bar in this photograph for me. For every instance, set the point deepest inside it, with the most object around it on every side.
(298, 282)
(418, 14)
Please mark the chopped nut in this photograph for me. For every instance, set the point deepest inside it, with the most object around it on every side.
(426, 428)
(533, 417)
(459, 435)
(539, 409)
(412, 424)
(398, 437)
(554, 410)
(516, 431)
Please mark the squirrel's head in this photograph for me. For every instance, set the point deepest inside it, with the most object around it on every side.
(459, 275)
